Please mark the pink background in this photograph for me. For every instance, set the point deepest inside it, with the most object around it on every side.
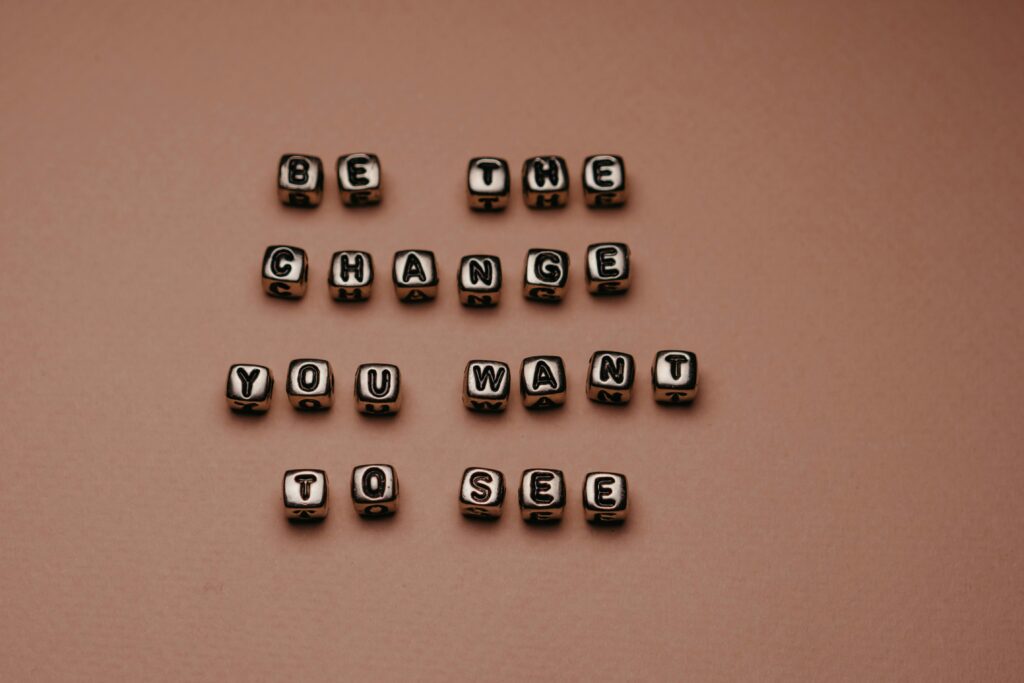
(827, 204)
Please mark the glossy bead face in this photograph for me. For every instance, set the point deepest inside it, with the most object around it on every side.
(480, 281)
(604, 181)
(488, 184)
(359, 179)
(610, 377)
(486, 386)
(351, 276)
(415, 275)
(375, 490)
(249, 388)
(305, 494)
(542, 495)
(545, 182)
(482, 493)
(674, 376)
(542, 382)
(605, 498)
(300, 180)
(285, 271)
(310, 384)
(608, 268)
(546, 275)
(378, 389)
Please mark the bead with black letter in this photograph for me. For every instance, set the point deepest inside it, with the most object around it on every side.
(378, 389)
(300, 180)
(608, 270)
(375, 490)
(486, 386)
(310, 384)
(610, 377)
(542, 382)
(285, 272)
(604, 181)
(542, 495)
(249, 388)
(605, 498)
(674, 376)
(359, 179)
(488, 184)
(482, 493)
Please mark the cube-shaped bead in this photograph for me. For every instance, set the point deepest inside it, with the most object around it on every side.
(486, 386)
(375, 490)
(605, 498)
(359, 179)
(480, 281)
(546, 275)
(378, 389)
(545, 182)
(610, 377)
(488, 184)
(604, 180)
(305, 494)
(351, 276)
(542, 495)
(674, 376)
(300, 180)
(285, 271)
(415, 275)
(482, 494)
(249, 388)
(542, 382)
(310, 384)
(608, 268)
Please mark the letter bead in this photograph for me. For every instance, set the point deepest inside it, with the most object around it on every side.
(610, 378)
(674, 376)
(415, 275)
(542, 495)
(480, 281)
(378, 389)
(300, 180)
(545, 182)
(546, 275)
(359, 179)
(486, 386)
(605, 498)
(310, 384)
(482, 493)
(604, 181)
(249, 388)
(375, 490)
(351, 276)
(608, 268)
(285, 271)
(305, 494)
(488, 184)
(542, 382)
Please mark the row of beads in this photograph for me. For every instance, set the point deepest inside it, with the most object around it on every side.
(481, 494)
(486, 385)
(414, 273)
(300, 181)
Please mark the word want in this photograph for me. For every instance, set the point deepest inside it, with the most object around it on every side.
(486, 384)
(481, 495)
(300, 181)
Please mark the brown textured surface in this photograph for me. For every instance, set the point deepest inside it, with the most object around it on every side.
(827, 205)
